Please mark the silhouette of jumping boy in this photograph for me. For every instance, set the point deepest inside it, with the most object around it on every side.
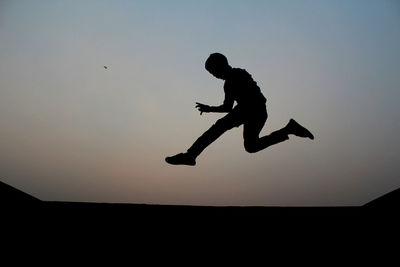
(250, 111)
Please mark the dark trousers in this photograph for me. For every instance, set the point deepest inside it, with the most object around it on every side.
(253, 120)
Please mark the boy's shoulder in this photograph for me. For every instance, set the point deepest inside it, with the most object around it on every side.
(239, 71)
(240, 74)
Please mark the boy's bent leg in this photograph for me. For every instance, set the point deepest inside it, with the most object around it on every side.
(255, 144)
(251, 130)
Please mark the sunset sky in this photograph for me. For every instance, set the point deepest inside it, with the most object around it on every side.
(71, 130)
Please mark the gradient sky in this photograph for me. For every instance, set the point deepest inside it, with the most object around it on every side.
(71, 130)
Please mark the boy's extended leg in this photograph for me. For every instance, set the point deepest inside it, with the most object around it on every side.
(221, 126)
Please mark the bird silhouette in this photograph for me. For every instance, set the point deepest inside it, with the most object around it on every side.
(105, 67)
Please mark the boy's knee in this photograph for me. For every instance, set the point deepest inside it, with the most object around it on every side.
(251, 147)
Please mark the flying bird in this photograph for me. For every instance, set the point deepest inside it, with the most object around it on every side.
(105, 67)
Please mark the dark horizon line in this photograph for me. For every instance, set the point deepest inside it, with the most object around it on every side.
(10, 194)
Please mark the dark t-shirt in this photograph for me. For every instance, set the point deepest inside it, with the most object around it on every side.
(240, 87)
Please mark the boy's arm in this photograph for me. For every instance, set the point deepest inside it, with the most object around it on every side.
(225, 107)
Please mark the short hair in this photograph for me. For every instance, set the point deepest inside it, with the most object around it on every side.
(216, 60)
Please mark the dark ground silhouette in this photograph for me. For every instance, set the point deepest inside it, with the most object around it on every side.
(15, 200)
(250, 111)
(48, 228)
(71, 224)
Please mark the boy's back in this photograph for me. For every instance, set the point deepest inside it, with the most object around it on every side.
(240, 87)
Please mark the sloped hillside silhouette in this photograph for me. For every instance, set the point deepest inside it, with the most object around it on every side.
(11, 195)
(389, 200)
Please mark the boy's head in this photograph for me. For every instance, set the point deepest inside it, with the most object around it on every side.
(217, 64)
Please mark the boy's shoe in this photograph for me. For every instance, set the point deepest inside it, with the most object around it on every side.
(181, 159)
(294, 128)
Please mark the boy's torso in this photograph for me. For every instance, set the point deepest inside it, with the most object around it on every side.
(241, 87)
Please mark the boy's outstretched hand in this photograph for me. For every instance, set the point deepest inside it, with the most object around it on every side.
(202, 108)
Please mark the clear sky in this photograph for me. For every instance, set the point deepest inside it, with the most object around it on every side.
(72, 130)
